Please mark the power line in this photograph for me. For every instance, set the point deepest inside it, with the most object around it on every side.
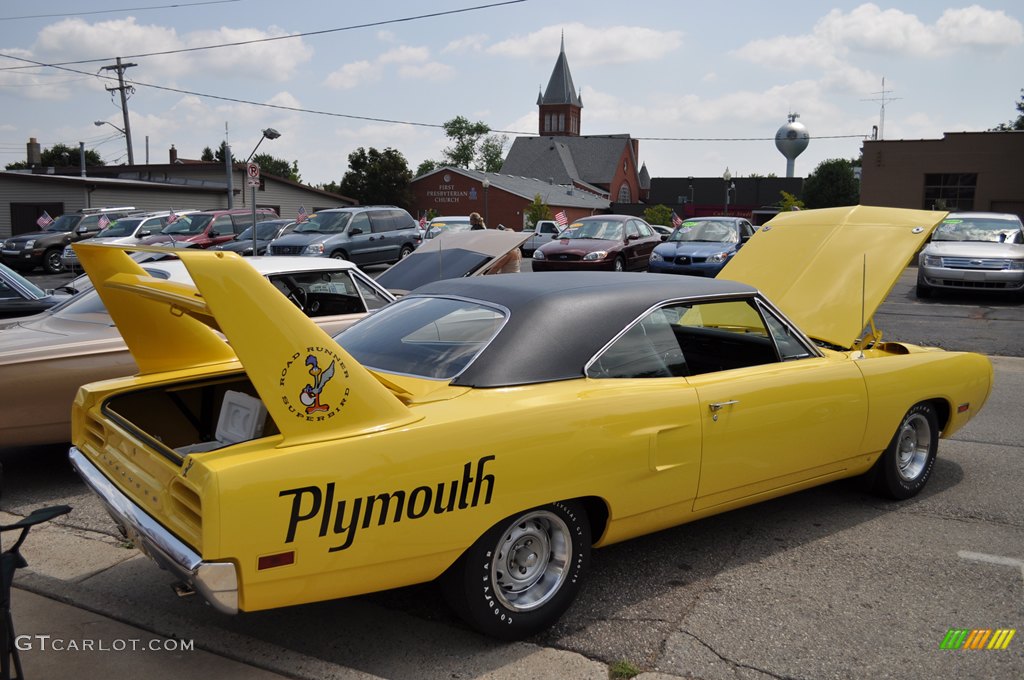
(123, 9)
(325, 31)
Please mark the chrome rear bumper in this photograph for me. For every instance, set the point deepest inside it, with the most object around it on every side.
(217, 582)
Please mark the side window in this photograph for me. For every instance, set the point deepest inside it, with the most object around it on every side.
(371, 296)
(645, 230)
(223, 225)
(632, 229)
(381, 221)
(648, 349)
(548, 228)
(789, 345)
(403, 220)
(360, 221)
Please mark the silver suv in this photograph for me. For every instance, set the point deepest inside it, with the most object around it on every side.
(973, 251)
(372, 234)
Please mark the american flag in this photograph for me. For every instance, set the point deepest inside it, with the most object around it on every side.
(561, 218)
(171, 217)
(44, 220)
(302, 215)
(676, 219)
(103, 222)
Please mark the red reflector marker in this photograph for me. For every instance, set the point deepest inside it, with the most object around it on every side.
(278, 560)
(963, 408)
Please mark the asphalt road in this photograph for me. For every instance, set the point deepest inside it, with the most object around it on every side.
(828, 583)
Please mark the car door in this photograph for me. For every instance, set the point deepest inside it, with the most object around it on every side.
(221, 230)
(386, 238)
(774, 413)
(639, 244)
(361, 242)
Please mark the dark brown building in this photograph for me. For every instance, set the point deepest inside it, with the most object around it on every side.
(962, 171)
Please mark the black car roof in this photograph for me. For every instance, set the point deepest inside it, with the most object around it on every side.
(559, 320)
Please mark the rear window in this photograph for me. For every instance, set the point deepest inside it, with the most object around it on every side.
(434, 338)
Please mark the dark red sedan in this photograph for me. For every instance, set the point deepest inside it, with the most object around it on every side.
(599, 242)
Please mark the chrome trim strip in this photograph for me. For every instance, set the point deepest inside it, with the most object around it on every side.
(156, 542)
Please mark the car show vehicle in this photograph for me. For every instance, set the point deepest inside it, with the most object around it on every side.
(21, 297)
(288, 466)
(973, 251)
(446, 224)
(601, 242)
(700, 246)
(43, 248)
(46, 357)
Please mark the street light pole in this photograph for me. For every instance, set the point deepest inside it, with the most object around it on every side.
(727, 176)
(269, 133)
(693, 210)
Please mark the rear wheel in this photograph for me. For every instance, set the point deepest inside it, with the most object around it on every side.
(51, 261)
(907, 463)
(522, 575)
(405, 252)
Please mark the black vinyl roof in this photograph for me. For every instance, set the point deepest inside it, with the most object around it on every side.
(559, 320)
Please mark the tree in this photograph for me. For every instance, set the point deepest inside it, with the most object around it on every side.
(789, 202)
(378, 177)
(219, 155)
(60, 155)
(537, 210)
(491, 153)
(658, 214)
(427, 166)
(207, 155)
(831, 184)
(466, 136)
(277, 167)
(1017, 124)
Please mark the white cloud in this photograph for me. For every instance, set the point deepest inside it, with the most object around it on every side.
(404, 55)
(591, 45)
(975, 26)
(432, 70)
(352, 75)
(469, 43)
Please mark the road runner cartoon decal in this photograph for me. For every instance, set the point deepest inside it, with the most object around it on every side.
(304, 394)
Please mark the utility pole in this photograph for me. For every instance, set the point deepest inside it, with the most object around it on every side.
(120, 68)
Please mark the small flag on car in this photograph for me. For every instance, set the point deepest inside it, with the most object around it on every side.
(676, 219)
(44, 220)
(171, 217)
(103, 222)
(302, 216)
(561, 218)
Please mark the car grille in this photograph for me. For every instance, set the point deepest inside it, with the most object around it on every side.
(286, 250)
(989, 285)
(987, 264)
(566, 257)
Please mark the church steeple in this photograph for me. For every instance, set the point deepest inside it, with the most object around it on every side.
(560, 104)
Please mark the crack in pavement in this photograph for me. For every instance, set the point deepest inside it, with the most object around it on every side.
(737, 664)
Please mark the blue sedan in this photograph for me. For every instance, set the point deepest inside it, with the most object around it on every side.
(700, 246)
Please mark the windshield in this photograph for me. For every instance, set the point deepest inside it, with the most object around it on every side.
(594, 229)
(325, 223)
(987, 229)
(422, 267)
(437, 227)
(424, 337)
(63, 223)
(124, 227)
(709, 231)
(86, 300)
(192, 224)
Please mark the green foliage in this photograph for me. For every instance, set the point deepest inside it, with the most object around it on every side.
(278, 167)
(537, 210)
(622, 670)
(378, 177)
(465, 137)
(831, 184)
(1017, 124)
(789, 202)
(491, 153)
(61, 155)
(427, 166)
(658, 214)
(207, 155)
(220, 153)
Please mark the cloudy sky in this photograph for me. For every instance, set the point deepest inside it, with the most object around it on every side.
(703, 85)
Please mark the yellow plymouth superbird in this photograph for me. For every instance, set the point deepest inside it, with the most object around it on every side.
(488, 431)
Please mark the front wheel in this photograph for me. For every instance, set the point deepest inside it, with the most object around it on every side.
(620, 264)
(522, 575)
(907, 463)
(51, 261)
(922, 290)
(338, 255)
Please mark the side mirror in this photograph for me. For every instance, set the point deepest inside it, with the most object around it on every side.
(214, 233)
(143, 233)
(82, 230)
(632, 237)
(355, 231)
(664, 237)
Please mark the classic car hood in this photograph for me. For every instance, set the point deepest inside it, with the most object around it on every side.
(830, 269)
(450, 256)
(49, 337)
(982, 249)
(162, 323)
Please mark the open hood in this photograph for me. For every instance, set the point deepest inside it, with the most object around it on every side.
(451, 256)
(830, 269)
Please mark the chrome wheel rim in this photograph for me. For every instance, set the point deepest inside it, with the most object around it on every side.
(531, 561)
(913, 447)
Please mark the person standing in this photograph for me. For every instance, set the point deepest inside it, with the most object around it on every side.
(476, 222)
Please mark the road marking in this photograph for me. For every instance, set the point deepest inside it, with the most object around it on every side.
(992, 559)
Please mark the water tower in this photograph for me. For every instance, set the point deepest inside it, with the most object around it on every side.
(791, 140)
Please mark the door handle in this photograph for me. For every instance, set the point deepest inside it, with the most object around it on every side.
(719, 405)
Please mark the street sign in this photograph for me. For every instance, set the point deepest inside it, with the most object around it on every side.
(252, 174)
